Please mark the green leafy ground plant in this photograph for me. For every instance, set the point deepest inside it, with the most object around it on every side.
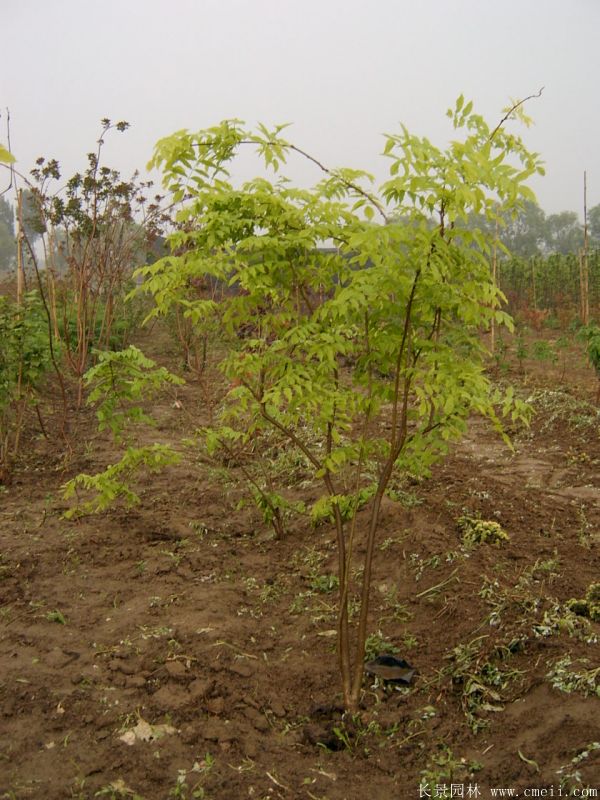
(118, 383)
(476, 531)
(592, 334)
(23, 363)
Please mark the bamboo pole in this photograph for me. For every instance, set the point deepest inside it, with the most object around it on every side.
(20, 264)
(494, 283)
(584, 271)
(50, 282)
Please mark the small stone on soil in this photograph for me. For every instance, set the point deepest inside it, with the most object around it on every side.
(169, 697)
(244, 670)
(278, 709)
(216, 705)
(176, 669)
(201, 688)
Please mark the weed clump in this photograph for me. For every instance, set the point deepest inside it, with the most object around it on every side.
(585, 682)
(477, 531)
(589, 606)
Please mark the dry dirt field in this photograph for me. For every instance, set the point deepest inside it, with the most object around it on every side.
(176, 650)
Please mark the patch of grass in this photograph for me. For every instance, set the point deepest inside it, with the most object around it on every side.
(480, 677)
(444, 769)
(420, 564)
(538, 571)
(324, 584)
(158, 632)
(554, 406)
(586, 533)
(310, 559)
(271, 591)
(585, 681)
(405, 498)
(6, 569)
(589, 606)
(560, 619)
(357, 736)
(409, 641)
(56, 616)
(570, 774)
(182, 790)
(398, 610)
(118, 790)
(390, 541)
(376, 644)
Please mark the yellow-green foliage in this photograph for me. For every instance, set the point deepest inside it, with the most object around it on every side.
(589, 606)
(6, 157)
(593, 593)
(113, 484)
(479, 531)
(323, 510)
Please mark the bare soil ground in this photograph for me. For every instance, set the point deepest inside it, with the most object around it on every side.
(178, 650)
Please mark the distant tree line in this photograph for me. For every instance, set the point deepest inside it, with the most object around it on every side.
(530, 233)
(551, 282)
(31, 227)
(34, 227)
(535, 233)
(7, 235)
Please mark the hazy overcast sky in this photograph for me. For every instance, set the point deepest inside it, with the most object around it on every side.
(343, 71)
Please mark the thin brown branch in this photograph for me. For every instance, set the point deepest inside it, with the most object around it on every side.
(349, 184)
(511, 111)
(57, 370)
(398, 368)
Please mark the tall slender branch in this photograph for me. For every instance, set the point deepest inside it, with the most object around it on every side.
(512, 109)
(355, 187)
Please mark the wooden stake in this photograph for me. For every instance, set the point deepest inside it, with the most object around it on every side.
(50, 282)
(584, 272)
(494, 282)
(20, 264)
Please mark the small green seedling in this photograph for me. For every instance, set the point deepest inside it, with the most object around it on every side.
(593, 350)
(56, 616)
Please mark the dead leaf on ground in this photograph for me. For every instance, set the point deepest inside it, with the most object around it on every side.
(144, 732)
